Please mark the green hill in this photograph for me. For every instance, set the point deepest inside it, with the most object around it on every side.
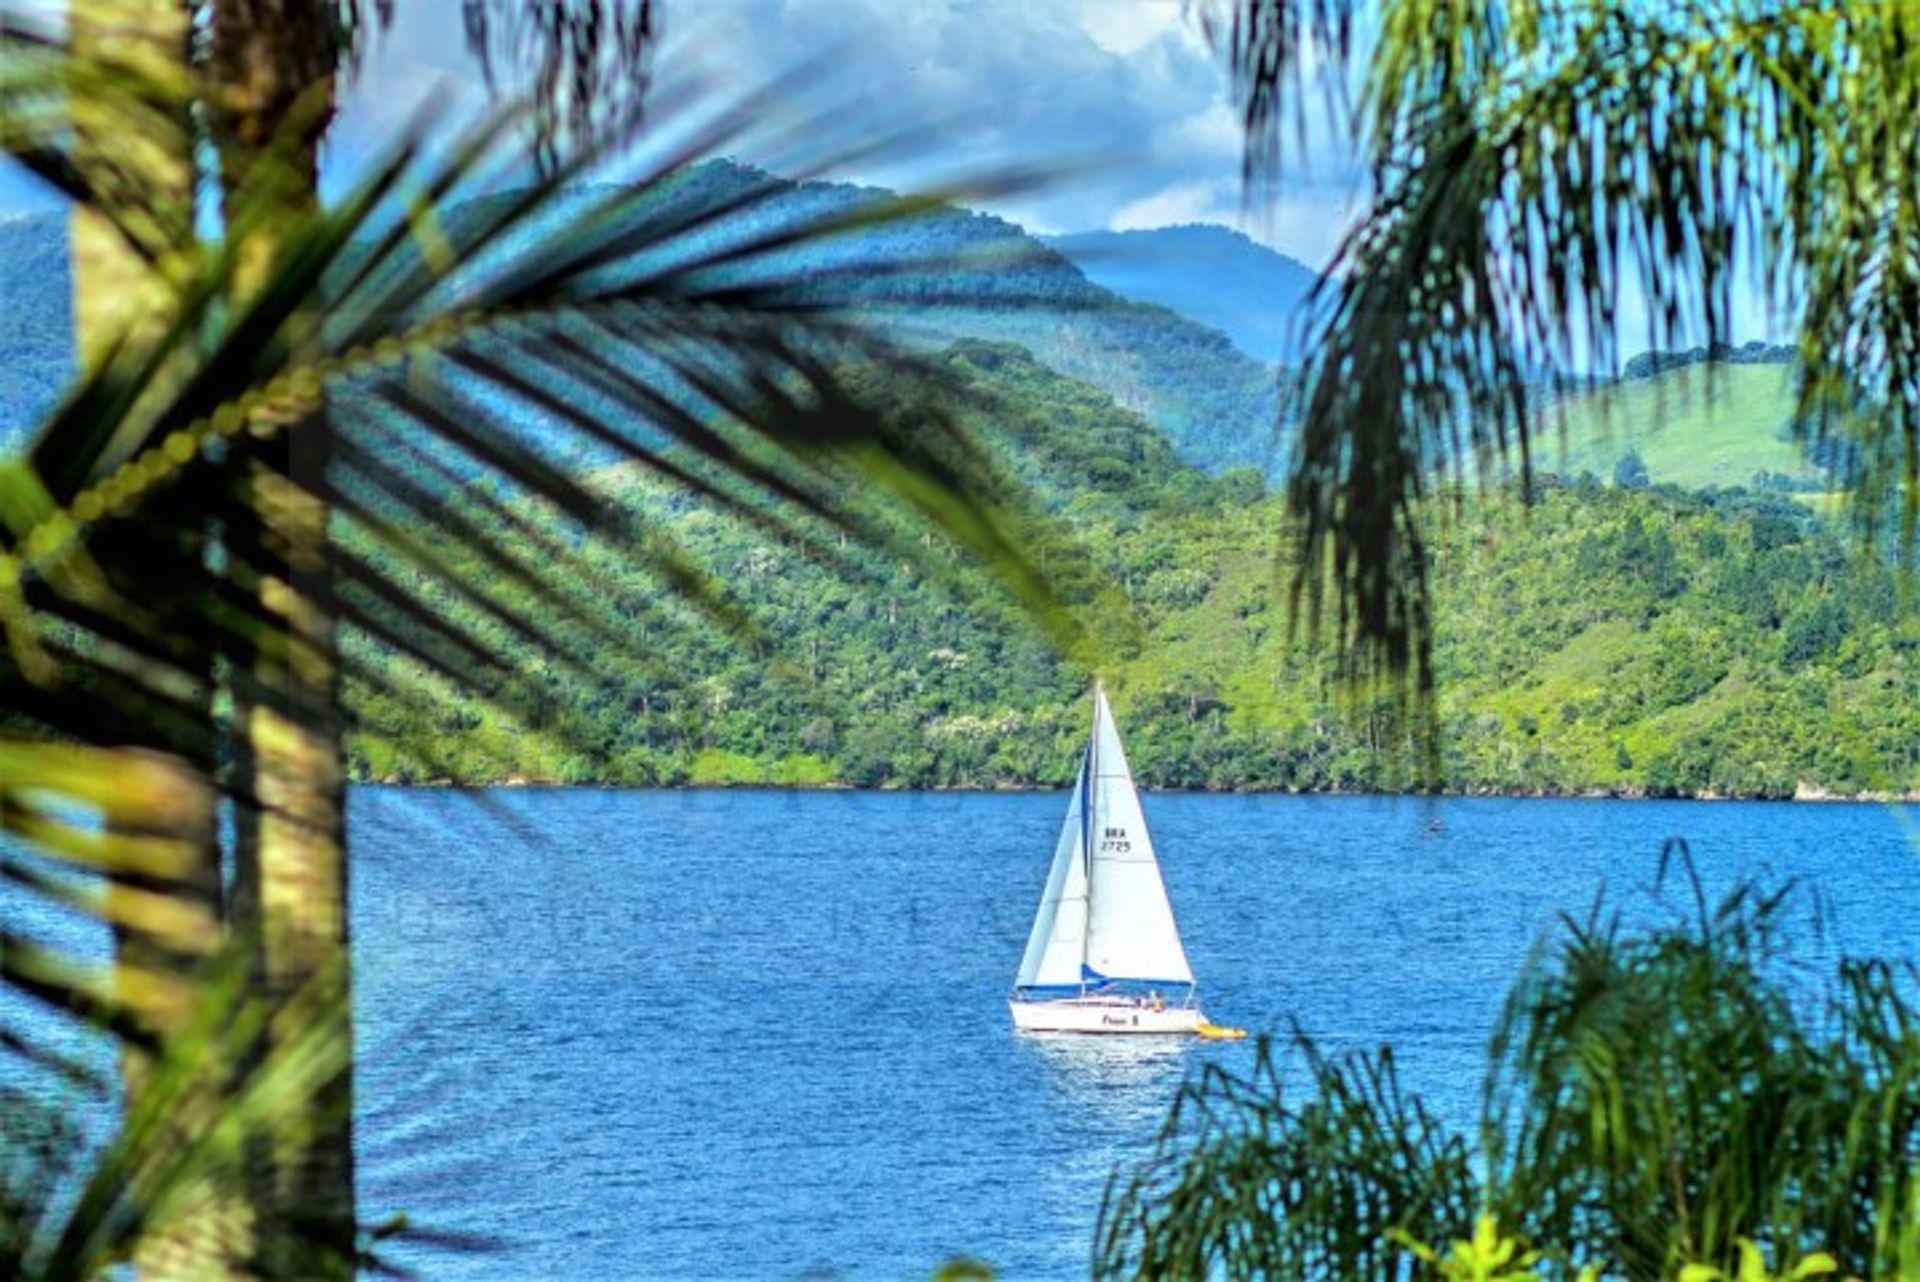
(1606, 639)
(1696, 426)
(951, 273)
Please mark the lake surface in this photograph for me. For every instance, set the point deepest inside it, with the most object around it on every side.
(762, 1034)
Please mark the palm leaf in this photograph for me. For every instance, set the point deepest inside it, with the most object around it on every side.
(462, 362)
(1535, 164)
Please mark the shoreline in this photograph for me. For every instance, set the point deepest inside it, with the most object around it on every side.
(1803, 794)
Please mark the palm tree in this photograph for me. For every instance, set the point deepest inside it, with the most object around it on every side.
(1652, 1101)
(248, 468)
(1535, 162)
(1654, 1105)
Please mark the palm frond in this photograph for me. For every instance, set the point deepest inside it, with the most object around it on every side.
(1535, 168)
(440, 374)
(1652, 1100)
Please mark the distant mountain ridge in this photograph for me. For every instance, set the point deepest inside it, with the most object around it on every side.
(958, 274)
(1218, 405)
(1212, 274)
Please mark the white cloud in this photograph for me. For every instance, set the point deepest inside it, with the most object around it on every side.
(1125, 27)
(1213, 132)
(1308, 223)
(1192, 202)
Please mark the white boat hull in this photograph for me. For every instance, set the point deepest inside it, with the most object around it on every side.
(1103, 1015)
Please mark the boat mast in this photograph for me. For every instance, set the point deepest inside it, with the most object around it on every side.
(1086, 829)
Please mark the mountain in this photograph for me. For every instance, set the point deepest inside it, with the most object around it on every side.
(1693, 419)
(949, 273)
(36, 320)
(1209, 273)
(1602, 639)
(956, 274)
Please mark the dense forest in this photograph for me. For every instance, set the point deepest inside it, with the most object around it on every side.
(1636, 639)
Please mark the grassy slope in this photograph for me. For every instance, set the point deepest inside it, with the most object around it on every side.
(1691, 427)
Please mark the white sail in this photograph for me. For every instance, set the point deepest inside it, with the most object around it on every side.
(1130, 931)
(1057, 945)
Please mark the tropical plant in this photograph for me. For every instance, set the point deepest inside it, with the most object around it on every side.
(1534, 165)
(1654, 1102)
(174, 584)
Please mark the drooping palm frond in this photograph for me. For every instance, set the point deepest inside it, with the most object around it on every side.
(578, 65)
(628, 335)
(586, 61)
(1536, 168)
(436, 366)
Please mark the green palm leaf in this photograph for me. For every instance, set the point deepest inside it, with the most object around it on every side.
(436, 377)
(1534, 164)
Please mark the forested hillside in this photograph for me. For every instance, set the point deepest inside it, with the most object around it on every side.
(955, 273)
(949, 273)
(1606, 639)
(1685, 423)
(952, 273)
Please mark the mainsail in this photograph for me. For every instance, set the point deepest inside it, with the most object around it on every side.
(1104, 917)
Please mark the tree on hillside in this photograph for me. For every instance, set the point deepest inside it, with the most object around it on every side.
(1630, 473)
(173, 584)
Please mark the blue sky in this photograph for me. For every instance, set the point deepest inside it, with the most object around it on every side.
(1128, 89)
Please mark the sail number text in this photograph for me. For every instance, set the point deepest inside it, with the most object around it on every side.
(1114, 840)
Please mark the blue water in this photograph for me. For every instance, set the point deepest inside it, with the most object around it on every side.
(749, 1035)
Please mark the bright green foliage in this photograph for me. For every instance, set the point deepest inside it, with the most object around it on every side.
(1645, 641)
(1753, 1268)
(1541, 172)
(1488, 1256)
(1654, 1104)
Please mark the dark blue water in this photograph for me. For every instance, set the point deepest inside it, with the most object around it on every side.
(755, 1035)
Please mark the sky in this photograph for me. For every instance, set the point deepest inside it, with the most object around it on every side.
(1125, 94)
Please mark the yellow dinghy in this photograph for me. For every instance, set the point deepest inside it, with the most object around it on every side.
(1219, 1033)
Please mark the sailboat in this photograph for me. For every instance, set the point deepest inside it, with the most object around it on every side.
(1104, 955)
